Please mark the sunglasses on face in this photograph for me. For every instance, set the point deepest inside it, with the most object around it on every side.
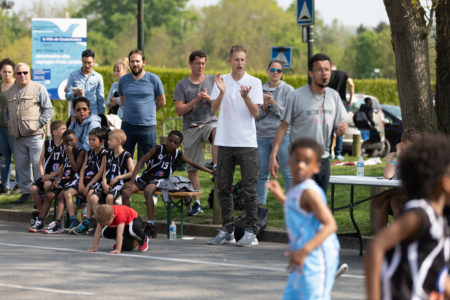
(81, 109)
(24, 73)
(273, 70)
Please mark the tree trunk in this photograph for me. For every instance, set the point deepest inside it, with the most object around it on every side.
(443, 65)
(409, 39)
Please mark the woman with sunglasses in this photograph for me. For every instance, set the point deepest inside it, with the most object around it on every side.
(6, 141)
(84, 121)
(275, 92)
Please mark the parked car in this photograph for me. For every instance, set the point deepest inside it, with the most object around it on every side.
(393, 126)
(375, 149)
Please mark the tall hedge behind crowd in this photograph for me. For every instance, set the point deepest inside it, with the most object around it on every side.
(383, 89)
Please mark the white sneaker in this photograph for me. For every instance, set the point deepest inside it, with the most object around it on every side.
(223, 237)
(341, 270)
(249, 239)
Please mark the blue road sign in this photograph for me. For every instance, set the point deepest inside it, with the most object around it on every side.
(283, 54)
(305, 12)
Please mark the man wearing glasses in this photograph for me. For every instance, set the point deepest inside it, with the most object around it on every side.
(29, 108)
(88, 83)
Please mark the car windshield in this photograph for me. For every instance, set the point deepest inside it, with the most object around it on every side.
(358, 101)
(393, 110)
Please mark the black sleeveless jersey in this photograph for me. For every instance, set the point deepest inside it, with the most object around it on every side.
(93, 164)
(53, 156)
(417, 269)
(162, 164)
(116, 166)
(68, 173)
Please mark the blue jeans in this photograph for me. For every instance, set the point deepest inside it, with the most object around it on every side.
(7, 149)
(145, 136)
(264, 149)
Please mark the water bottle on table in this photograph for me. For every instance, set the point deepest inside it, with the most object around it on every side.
(173, 231)
(360, 167)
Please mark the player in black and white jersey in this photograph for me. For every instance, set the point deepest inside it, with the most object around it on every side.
(161, 161)
(67, 180)
(52, 157)
(91, 172)
(409, 258)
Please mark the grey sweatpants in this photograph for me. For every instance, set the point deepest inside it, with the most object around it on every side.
(27, 151)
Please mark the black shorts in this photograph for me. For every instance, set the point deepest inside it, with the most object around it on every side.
(132, 231)
(40, 185)
(116, 190)
(65, 184)
(142, 183)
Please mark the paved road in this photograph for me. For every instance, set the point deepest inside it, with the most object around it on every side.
(38, 266)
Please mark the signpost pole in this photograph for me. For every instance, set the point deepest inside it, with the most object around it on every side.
(310, 45)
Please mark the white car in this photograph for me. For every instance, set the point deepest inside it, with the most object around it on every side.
(375, 149)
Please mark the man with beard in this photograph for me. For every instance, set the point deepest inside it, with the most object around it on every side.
(312, 111)
(141, 94)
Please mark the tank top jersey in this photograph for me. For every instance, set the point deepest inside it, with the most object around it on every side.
(53, 156)
(162, 164)
(93, 164)
(68, 173)
(418, 269)
(116, 166)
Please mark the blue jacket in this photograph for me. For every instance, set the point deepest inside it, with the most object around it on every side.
(82, 130)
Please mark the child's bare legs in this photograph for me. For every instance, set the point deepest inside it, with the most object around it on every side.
(60, 205)
(92, 204)
(127, 191)
(48, 197)
(34, 191)
(381, 215)
(110, 199)
(68, 195)
(148, 195)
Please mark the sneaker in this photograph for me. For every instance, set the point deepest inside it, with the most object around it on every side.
(90, 232)
(249, 239)
(341, 270)
(34, 217)
(53, 228)
(37, 226)
(223, 237)
(80, 229)
(144, 246)
(73, 224)
(196, 209)
(340, 157)
(24, 198)
(150, 231)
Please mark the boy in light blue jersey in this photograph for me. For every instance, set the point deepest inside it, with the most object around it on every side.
(314, 247)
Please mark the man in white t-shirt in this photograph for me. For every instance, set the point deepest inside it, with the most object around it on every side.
(238, 96)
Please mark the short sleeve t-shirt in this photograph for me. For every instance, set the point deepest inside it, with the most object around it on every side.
(186, 91)
(236, 126)
(123, 214)
(314, 116)
(139, 107)
(338, 82)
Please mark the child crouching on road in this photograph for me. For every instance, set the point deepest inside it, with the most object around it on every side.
(409, 258)
(162, 161)
(314, 247)
(123, 224)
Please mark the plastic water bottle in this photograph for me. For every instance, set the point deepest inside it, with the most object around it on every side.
(173, 231)
(360, 167)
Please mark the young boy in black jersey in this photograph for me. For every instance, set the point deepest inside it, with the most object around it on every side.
(67, 179)
(91, 174)
(161, 161)
(52, 157)
(409, 259)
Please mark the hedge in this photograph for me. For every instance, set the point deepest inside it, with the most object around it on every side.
(384, 89)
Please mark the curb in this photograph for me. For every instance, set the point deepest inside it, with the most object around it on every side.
(269, 235)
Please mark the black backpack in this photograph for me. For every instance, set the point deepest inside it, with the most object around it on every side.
(238, 197)
(361, 121)
(261, 223)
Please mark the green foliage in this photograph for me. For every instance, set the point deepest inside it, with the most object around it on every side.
(384, 90)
